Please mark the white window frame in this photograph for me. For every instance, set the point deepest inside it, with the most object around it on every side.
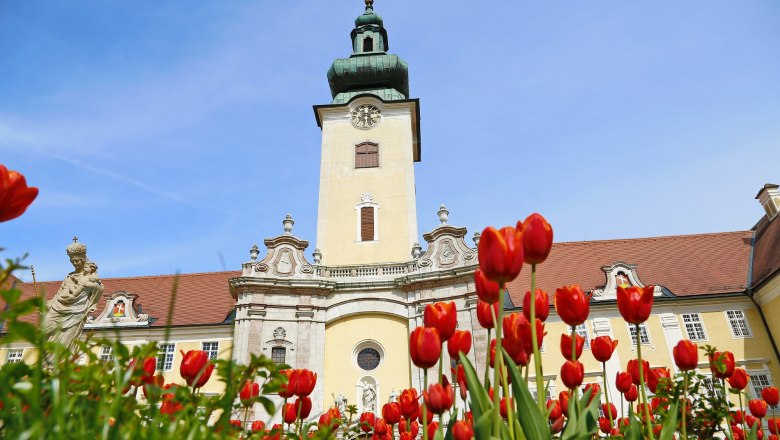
(731, 321)
(165, 357)
(549, 386)
(642, 330)
(211, 348)
(107, 354)
(756, 389)
(14, 355)
(694, 319)
(716, 386)
(582, 330)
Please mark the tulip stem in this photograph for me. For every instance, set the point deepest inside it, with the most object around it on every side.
(742, 409)
(487, 355)
(441, 362)
(606, 394)
(498, 361)
(726, 402)
(535, 344)
(684, 402)
(575, 391)
(425, 406)
(510, 412)
(642, 383)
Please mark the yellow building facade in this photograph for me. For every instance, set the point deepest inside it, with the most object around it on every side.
(346, 310)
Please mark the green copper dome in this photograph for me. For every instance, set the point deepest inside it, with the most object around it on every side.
(368, 17)
(370, 69)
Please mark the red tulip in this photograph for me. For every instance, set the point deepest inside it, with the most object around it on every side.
(632, 394)
(287, 389)
(537, 238)
(572, 374)
(330, 418)
(249, 391)
(169, 404)
(604, 425)
(774, 425)
(409, 402)
(425, 347)
(554, 408)
(738, 433)
(557, 425)
(525, 334)
(771, 395)
(541, 305)
(439, 396)
(487, 291)
(15, 195)
(635, 303)
(428, 415)
(739, 379)
(443, 317)
(258, 425)
(152, 387)
(503, 409)
(572, 304)
(633, 368)
(500, 253)
(303, 404)
(195, 368)
(303, 382)
(147, 371)
(413, 429)
(758, 408)
(563, 399)
(751, 421)
(686, 355)
(391, 412)
(594, 389)
(484, 315)
(623, 381)
(659, 377)
(432, 428)
(609, 410)
(460, 342)
(722, 364)
(367, 420)
(566, 345)
(602, 348)
(380, 426)
(289, 413)
(459, 374)
(462, 430)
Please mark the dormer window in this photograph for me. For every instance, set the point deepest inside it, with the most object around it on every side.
(368, 44)
(367, 155)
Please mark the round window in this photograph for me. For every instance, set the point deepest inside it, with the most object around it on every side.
(368, 358)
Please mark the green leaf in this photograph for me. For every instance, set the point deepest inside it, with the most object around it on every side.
(670, 424)
(451, 425)
(532, 420)
(483, 424)
(480, 400)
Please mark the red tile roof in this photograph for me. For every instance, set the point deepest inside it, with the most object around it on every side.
(201, 298)
(685, 264)
(766, 255)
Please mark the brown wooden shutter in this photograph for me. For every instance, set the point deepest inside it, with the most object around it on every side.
(367, 223)
(366, 155)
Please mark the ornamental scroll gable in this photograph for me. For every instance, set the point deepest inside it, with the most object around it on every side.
(120, 311)
(620, 274)
(447, 248)
(284, 257)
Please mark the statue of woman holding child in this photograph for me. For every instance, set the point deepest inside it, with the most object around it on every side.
(78, 296)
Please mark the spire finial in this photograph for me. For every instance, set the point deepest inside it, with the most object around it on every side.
(75, 239)
(369, 4)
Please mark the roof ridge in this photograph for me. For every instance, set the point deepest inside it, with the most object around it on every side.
(139, 277)
(660, 237)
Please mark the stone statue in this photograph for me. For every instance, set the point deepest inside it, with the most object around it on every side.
(393, 396)
(341, 404)
(369, 397)
(78, 296)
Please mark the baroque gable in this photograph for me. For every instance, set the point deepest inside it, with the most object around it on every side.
(120, 311)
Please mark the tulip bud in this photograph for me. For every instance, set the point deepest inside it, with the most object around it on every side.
(195, 368)
(391, 412)
(425, 347)
(537, 238)
(484, 315)
(572, 305)
(500, 253)
(602, 348)
(289, 413)
(566, 346)
(722, 364)
(249, 391)
(633, 368)
(439, 397)
(460, 342)
(686, 355)
(758, 408)
(541, 305)
(367, 420)
(771, 395)
(572, 374)
(632, 394)
(487, 291)
(462, 430)
(739, 379)
(258, 425)
(443, 317)
(554, 409)
(15, 195)
(623, 381)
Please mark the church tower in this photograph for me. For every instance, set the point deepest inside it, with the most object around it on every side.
(370, 141)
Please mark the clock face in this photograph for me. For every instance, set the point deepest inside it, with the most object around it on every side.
(365, 116)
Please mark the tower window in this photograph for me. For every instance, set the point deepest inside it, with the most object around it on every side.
(278, 354)
(368, 44)
(367, 223)
(367, 155)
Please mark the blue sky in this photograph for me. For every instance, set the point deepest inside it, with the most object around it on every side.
(171, 136)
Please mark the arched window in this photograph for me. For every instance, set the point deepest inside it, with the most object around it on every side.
(367, 225)
(367, 155)
(368, 44)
